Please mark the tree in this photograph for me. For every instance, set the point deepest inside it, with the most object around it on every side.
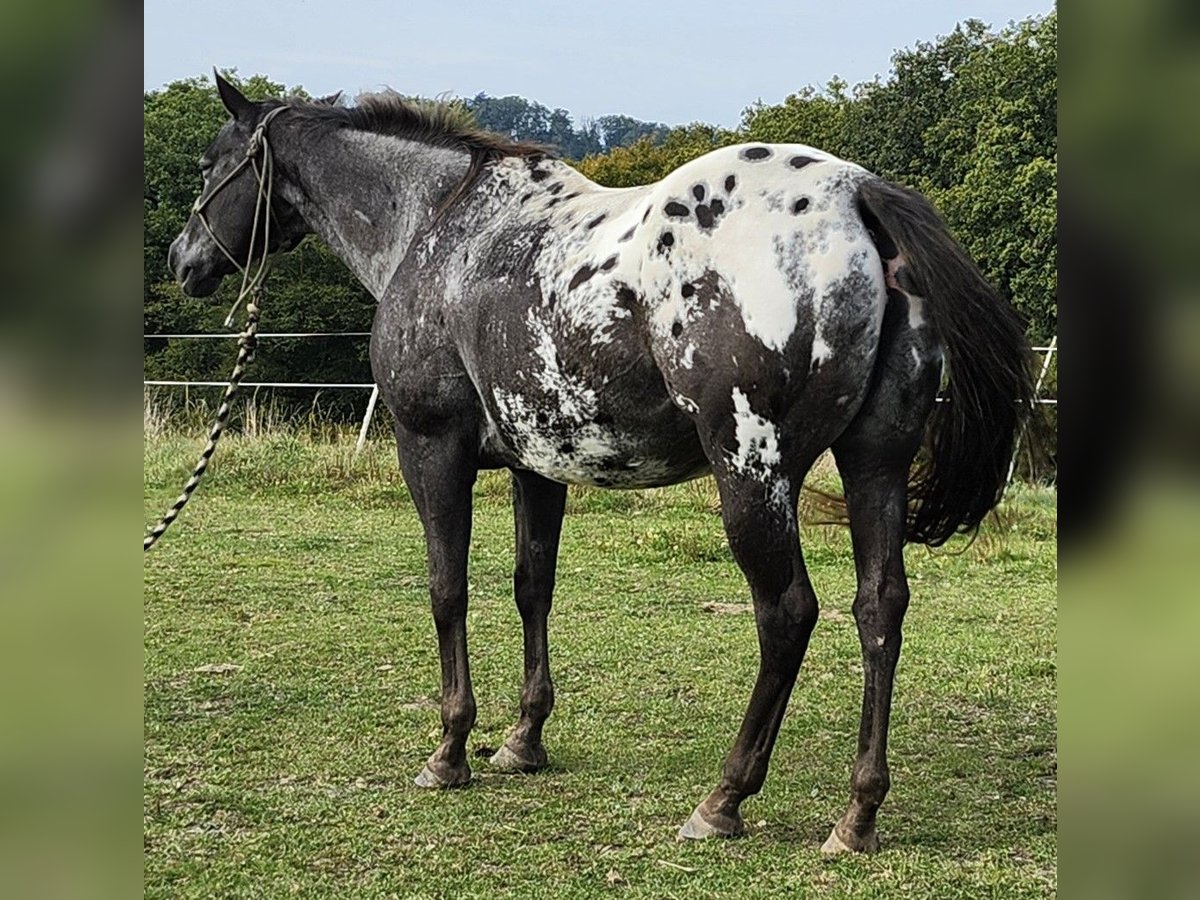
(887, 120)
(623, 131)
(311, 290)
(807, 117)
(646, 161)
(997, 183)
(513, 116)
(526, 120)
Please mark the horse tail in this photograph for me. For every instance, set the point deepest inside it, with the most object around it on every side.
(962, 471)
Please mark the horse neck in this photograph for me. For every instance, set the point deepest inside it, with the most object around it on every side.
(368, 195)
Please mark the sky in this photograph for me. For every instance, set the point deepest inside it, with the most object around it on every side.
(657, 60)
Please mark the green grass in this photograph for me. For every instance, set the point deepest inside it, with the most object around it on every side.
(291, 671)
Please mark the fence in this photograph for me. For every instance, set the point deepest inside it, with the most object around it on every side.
(1049, 351)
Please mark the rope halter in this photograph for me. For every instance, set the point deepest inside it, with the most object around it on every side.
(264, 173)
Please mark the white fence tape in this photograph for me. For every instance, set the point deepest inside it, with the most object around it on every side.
(1049, 351)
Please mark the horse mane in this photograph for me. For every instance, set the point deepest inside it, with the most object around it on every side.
(438, 123)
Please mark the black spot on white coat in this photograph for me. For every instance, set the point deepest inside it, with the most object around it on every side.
(584, 273)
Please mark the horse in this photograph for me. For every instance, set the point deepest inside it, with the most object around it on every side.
(756, 307)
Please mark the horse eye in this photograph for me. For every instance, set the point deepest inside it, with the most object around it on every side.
(206, 166)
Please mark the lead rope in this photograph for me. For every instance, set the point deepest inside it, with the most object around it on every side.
(247, 341)
(252, 288)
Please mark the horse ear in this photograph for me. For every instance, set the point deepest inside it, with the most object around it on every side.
(331, 100)
(237, 104)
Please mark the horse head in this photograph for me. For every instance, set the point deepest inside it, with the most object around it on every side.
(239, 218)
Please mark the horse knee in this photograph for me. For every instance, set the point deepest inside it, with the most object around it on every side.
(800, 605)
(789, 621)
(765, 552)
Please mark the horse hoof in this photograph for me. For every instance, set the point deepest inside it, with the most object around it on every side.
(508, 760)
(432, 780)
(834, 844)
(700, 826)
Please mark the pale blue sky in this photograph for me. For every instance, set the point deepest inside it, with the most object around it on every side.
(659, 60)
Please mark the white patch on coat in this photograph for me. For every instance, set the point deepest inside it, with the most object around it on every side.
(687, 404)
(821, 351)
(916, 312)
(757, 442)
(540, 449)
(776, 263)
(781, 494)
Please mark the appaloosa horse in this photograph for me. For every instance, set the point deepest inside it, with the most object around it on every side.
(757, 306)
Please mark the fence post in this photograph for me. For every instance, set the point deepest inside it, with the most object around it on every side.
(362, 433)
(1037, 396)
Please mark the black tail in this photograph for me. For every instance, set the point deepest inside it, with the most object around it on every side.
(961, 473)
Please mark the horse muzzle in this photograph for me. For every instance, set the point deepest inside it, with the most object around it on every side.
(197, 276)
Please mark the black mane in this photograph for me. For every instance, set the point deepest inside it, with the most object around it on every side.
(434, 122)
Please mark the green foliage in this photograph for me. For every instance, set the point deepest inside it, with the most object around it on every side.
(649, 160)
(970, 119)
(997, 183)
(527, 120)
(622, 131)
(310, 290)
(808, 117)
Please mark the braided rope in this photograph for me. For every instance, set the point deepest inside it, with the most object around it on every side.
(251, 288)
(247, 342)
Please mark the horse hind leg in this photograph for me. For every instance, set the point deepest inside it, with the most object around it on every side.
(538, 505)
(876, 501)
(874, 456)
(760, 520)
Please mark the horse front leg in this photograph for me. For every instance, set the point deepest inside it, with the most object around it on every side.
(538, 505)
(440, 473)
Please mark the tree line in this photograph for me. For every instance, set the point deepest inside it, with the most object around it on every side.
(969, 119)
(528, 120)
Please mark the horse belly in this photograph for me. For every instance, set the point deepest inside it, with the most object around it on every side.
(650, 446)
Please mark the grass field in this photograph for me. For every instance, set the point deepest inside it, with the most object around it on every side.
(291, 684)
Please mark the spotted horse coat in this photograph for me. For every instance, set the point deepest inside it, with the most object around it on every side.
(607, 334)
(757, 306)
